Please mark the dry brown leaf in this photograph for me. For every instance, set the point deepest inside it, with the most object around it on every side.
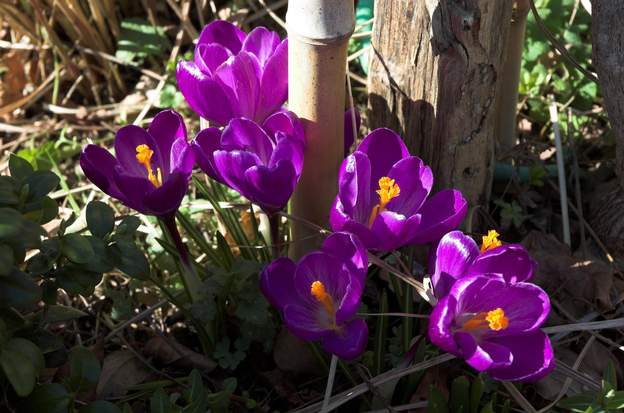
(584, 282)
(170, 352)
(120, 370)
(14, 80)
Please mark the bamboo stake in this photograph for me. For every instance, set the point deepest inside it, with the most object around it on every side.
(318, 35)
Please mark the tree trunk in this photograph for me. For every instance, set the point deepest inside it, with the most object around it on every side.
(433, 78)
(607, 214)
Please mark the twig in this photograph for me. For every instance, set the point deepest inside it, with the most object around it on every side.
(330, 382)
(519, 398)
(260, 13)
(275, 17)
(593, 325)
(563, 192)
(114, 59)
(557, 45)
(577, 182)
(183, 16)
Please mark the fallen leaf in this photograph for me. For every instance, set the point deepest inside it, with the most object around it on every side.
(170, 352)
(120, 370)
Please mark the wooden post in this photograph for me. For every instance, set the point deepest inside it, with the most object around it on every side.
(318, 34)
(434, 78)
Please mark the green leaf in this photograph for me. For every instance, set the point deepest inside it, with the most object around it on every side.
(436, 403)
(8, 191)
(10, 223)
(610, 375)
(127, 228)
(19, 167)
(130, 260)
(41, 183)
(41, 211)
(57, 313)
(476, 392)
(100, 219)
(77, 248)
(18, 290)
(48, 254)
(615, 401)
(7, 259)
(577, 403)
(84, 369)
(487, 408)
(21, 361)
(76, 280)
(160, 403)
(100, 406)
(49, 398)
(139, 39)
(460, 395)
(101, 261)
(198, 397)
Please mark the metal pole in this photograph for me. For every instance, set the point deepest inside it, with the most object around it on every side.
(318, 35)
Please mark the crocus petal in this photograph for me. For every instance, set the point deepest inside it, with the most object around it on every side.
(319, 266)
(441, 213)
(525, 305)
(354, 187)
(349, 342)
(440, 325)
(246, 135)
(203, 94)
(384, 148)
(133, 188)
(208, 57)
(232, 165)
(274, 82)
(167, 198)
(262, 43)
(240, 76)
(288, 149)
(453, 256)
(182, 157)
(167, 127)
(350, 250)
(415, 180)
(533, 357)
(98, 165)
(512, 261)
(204, 145)
(472, 352)
(284, 122)
(394, 230)
(303, 322)
(339, 221)
(271, 188)
(351, 130)
(500, 355)
(126, 141)
(277, 282)
(223, 33)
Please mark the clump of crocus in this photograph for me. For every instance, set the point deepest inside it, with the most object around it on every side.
(234, 74)
(382, 196)
(263, 163)
(495, 326)
(320, 295)
(151, 169)
(457, 256)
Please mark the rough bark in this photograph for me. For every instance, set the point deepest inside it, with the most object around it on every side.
(607, 212)
(434, 79)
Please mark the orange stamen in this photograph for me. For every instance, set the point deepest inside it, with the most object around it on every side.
(387, 191)
(317, 289)
(495, 320)
(144, 157)
(490, 241)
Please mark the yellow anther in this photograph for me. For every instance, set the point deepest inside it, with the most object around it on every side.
(491, 241)
(387, 191)
(144, 157)
(496, 319)
(317, 289)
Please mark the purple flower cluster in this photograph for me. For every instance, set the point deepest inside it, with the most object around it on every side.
(487, 311)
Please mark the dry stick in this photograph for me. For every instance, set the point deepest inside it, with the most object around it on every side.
(183, 16)
(31, 97)
(591, 325)
(563, 192)
(557, 45)
(519, 398)
(114, 59)
(274, 16)
(143, 314)
(568, 380)
(330, 382)
(577, 182)
(260, 13)
(393, 374)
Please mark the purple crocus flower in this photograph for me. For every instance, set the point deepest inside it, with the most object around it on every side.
(235, 75)
(150, 170)
(320, 295)
(263, 163)
(458, 256)
(382, 196)
(494, 325)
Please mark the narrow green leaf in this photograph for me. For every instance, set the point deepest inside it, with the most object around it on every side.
(476, 392)
(436, 402)
(160, 403)
(460, 395)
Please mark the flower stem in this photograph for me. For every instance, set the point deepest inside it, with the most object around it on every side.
(190, 278)
(274, 221)
(330, 382)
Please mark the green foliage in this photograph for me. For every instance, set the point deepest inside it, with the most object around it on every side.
(607, 400)
(138, 40)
